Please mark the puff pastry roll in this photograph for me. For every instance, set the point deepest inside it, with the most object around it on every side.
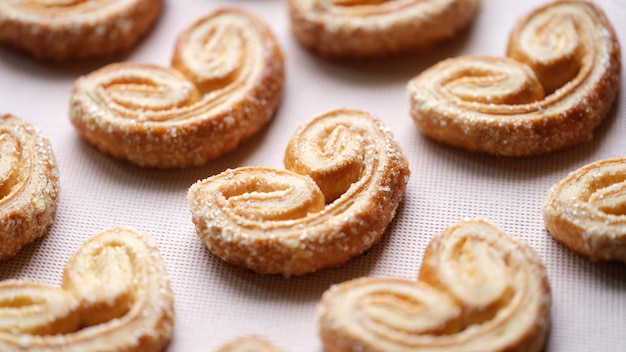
(554, 89)
(29, 184)
(478, 290)
(345, 178)
(586, 210)
(376, 28)
(224, 85)
(62, 30)
(115, 296)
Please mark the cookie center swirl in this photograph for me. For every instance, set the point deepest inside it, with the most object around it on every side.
(332, 152)
(493, 82)
(35, 309)
(220, 56)
(609, 194)
(480, 273)
(487, 274)
(114, 265)
(407, 311)
(12, 164)
(611, 200)
(19, 302)
(148, 93)
(216, 54)
(557, 46)
(269, 195)
(9, 158)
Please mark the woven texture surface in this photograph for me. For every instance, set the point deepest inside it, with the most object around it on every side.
(216, 302)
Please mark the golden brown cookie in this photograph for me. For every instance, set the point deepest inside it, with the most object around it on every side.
(225, 83)
(556, 86)
(376, 28)
(586, 210)
(297, 221)
(72, 29)
(478, 290)
(29, 184)
(115, 296)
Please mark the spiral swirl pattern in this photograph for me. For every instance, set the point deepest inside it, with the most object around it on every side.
(249, 343)
(478, 290)
(586, 210)
(75, 29)
(557, 85)
(115, 296)
(291, 222)
(28, 307)
(376, 28)
(224, 85)
(29, 184)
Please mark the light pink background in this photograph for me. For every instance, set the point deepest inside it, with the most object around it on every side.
(216, 302)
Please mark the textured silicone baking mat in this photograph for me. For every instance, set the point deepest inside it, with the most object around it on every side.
(216, 302)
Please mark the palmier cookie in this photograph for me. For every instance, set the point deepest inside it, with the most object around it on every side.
(60, 30)
(225, 84)
(478, 290)
(345, 178)
(376, 28)
(115, 296)
(556, 86)
(29, 184)
(249, 343)
(586, 210)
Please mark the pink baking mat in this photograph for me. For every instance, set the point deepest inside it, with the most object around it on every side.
(216, 302)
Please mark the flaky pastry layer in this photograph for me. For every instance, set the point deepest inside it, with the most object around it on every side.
(368, 29)
(554, 89)
(586, 210)
(478, 290)
(249, 343)
(225, 83)
(115, 296)
(345, 178)
(29, 184)
(63, 30)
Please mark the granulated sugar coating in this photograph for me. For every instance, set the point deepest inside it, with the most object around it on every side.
(478, 289)
(343, 29)
(115, 295)
(344, 158)
(217, 302)
(29, 184)
(508, 114)
(78, 30)
(193, 112)
(587, 210)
